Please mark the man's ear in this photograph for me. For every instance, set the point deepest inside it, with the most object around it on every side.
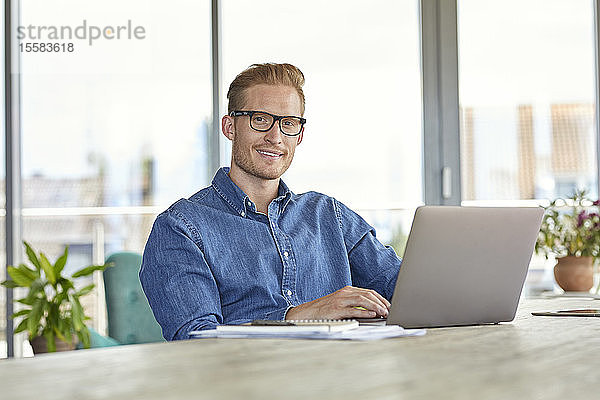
(300, 137)
(227, 127)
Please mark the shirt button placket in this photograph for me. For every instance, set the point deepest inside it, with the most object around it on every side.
(288, 292)
(288, 268)
(283, 243)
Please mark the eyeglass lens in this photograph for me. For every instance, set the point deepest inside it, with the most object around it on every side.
(264, 122)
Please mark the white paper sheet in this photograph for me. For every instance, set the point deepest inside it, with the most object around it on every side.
(360, 333)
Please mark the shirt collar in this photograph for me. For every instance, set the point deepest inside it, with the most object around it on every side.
(285, 194)
(236, 198)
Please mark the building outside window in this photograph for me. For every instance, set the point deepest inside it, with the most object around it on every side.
(527, 104)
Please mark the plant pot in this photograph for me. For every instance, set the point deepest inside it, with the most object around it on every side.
(574, 274)
(40, 345)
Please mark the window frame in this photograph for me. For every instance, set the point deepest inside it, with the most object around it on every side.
(441, 134)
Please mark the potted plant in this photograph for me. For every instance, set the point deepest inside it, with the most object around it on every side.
(52, 314)
(571, 231)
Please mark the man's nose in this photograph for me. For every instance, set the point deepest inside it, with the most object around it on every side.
(274, 135)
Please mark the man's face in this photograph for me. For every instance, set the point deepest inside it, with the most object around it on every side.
(264, 155)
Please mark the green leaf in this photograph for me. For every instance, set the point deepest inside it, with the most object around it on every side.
(35, 291)
(39, 285)
(10, 284)
(27, 301)
(50, 341)
(77, 313)
(85, 290)
(19, 277)
(21, 327)
(31, 255)
(66, 327)
(62, 296)
(65, 283)
(59, 335)
(33, 322)
(48, 268)
(20, 313)
(53, 316)
(60, 263)
(32, 273)
(84, 336)
(89, 270)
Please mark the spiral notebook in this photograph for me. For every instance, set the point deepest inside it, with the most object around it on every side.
(306, 329)
(261, 327)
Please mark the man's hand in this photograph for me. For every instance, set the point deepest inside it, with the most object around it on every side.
(348, 302)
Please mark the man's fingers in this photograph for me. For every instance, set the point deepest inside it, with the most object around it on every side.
(347, 302)
(371, 295)
(354, 312)
(380, 297)
(370, 303)
(351, 292)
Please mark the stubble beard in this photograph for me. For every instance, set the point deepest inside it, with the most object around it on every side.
(244, 162)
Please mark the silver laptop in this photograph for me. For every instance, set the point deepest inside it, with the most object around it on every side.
(464, 265)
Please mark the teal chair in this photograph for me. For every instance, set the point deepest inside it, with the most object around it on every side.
(130, 319)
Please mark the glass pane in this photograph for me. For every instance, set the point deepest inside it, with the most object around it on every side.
(527, 103)
(362, 142)
(120, 122)
(115, 130)
(527, 99)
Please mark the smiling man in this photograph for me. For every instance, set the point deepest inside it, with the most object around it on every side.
(247, 247)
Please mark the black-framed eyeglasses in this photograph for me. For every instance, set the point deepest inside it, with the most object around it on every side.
(262, 121)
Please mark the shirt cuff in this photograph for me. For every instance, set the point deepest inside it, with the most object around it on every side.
(184, 332)
(278, 315)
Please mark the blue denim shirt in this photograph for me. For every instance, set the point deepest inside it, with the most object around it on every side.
(212, 259)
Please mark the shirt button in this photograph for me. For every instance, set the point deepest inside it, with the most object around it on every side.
(285, 254)
(289, 292)
(243, 214)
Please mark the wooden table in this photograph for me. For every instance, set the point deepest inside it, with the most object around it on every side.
(530, 358)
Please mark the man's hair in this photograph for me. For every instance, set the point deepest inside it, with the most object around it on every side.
(267, 74)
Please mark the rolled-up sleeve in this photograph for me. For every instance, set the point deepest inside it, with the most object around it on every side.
(372, 265)
(177, 280)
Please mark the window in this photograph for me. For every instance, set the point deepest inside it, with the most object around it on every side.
(362, 142)
(114, 131)
(527, 99)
